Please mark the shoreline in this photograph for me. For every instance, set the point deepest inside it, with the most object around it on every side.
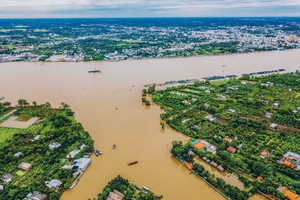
(160, 58)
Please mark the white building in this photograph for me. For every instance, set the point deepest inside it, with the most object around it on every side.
(54, 145)
(54, 183)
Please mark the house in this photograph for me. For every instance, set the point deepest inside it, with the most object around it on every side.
(213, 164)
(186, 102)
(37, 137)
(54, 183)
(222, 97)
(264, 154)
(227, 139)
(268, 114)
(289, 164)
(73, 153)
(211, 118)
(25, 166)
(189, 165)
(233, 87)
(54, 145)
(259, 178)
(36, 196)
(194, 99)
(185, 120)
(196, 127)
(203, 87)
(1, 187)
(115, 195)
(220, 168)
(275, 105)
(289, 194)
(81, 163)
(7, 178)
(274, 126)
(206, 105)
(240, 145)
(83, 147)
(231, 149)
(231, 111)
(17, 155)
(211, 148)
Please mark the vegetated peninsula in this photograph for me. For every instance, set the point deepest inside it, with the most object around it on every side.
(43, 150)
(248, 127)
(120, 39)
(120, 188)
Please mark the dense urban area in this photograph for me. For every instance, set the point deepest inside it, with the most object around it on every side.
(119, 39)
(247, 127)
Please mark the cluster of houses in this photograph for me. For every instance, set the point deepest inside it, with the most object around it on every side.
(214, 164)
(291, 160)
(204, 145)
(79, 164)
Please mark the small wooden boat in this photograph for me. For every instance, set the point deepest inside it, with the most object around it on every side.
(97, 152)
(145, 188)
(137, 187)
(159, 196)
(114, 146)
(133, 162)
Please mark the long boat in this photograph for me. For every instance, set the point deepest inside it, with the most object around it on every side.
(133, 162)
(145, 188)
(137, 187)
(94, 71)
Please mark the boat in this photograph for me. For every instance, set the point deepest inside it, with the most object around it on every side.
(137, 187)
(133, 162)
(1, 98)
(94, 71)
(144, 191)
(97, 152)
(159, 196)
(145, 188)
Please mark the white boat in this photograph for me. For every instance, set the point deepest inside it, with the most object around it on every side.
(145, 188)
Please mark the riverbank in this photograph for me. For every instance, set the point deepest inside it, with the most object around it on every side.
(134, 128)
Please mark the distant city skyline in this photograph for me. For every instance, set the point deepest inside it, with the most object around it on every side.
(144, 8)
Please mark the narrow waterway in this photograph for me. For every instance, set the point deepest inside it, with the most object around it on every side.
(134, 128)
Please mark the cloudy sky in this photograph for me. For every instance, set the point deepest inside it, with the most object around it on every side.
(147, 8)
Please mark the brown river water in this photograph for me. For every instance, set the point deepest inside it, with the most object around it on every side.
(134, 128)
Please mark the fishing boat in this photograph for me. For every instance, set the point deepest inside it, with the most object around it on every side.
(159, 196)
(137, 187)
(97, 152)
(133, 162)
(145, 188)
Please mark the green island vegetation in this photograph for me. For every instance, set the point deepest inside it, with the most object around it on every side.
(247, 126)
(31, 159)
(127, 190)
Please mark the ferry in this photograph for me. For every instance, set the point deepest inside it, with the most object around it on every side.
(137, 187)
(133, 162)
(97, 152)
